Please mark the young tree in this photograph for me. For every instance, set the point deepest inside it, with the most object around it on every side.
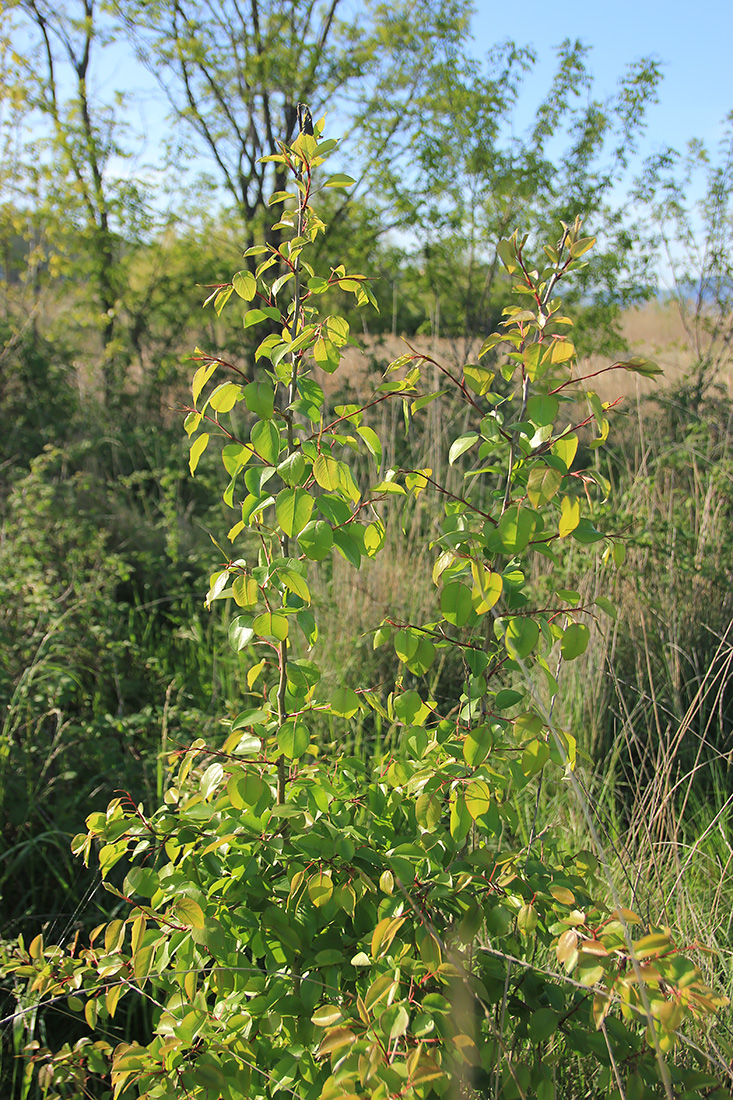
(71, 190)
(303, 921)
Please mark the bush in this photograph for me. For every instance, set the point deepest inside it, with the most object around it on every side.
(307, 921)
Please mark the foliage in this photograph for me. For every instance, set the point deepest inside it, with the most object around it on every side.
(100, 649)
(85, 212)
(304, 921)
(37, 406)
(74, 201)
(466, 174)
(688, 205)
(233, 77)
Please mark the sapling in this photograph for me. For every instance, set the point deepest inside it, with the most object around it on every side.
(318, 925)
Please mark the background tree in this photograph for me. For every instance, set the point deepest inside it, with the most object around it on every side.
(82, 142)
(233, 75)
(687, 197)
(466, 175)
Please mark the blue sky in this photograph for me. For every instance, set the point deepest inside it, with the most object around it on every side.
(694, 43)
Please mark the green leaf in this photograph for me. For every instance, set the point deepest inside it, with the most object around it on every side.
(373, 444)
(141, 880)
(189, 912)
(522, 635)
(327, 1016)
(507, 254)
(410, 709)
(491, 342)
(280, 196)
(266, 441)
(293, 509)
(225, 397)
(336, 1038)
(293, 469)
(507, 698)
(345, 703)
(245, 285)
(316, 539)
(518, 316)
(574, 641)
(271, 626)
(327, 472)
(645, 367)
(586, 533)
(326, 355)
(348, 545)
(477, 378)
(320, 888)
(488, 586)
(240, 632)
(455, 603)
(565, 449)
(398, 1021)
(426, 399)
(337, 330)
(295, 583)
(235, 457)
(259, 397)
(389, 486)
(581, 247)
(423, 657)
(246, 593)
(200, 378)
(569, 516)
(245, 789)
(619, 554)
(339, 180)
(516, 528)
(534, 757)
(428, 811)
(256, 316)
(543, 483)
(477, 746)
(533, 361)
(461, 445)
(374, 537)
(280, 283)
(406, 643)
(209, 1074)
(478, 798)
(527, 920)
(542, 409)
(654, 944)
(563, 350)
(198, 447)
(211, 779)
(382, 938)
(191, 423)
(293, 738)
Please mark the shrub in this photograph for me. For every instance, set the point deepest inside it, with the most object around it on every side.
(309, 922)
